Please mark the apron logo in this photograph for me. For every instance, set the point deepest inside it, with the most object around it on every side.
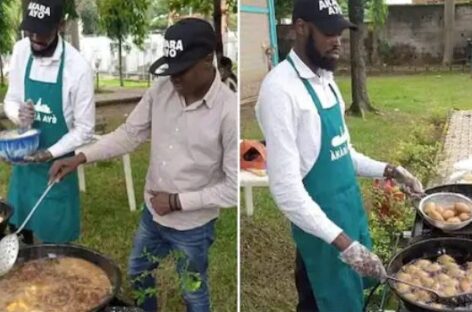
(339, 145)
(332, 6)
(172, 46)
(38, 10)
(47, 114)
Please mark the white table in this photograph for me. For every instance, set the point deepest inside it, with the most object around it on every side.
(247, 181)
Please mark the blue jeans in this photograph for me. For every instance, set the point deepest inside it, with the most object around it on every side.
(153, 242)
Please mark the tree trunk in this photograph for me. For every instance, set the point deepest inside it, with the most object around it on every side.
(217, 23)
(374, 59)
(449, 12)
(2, 79)
(360, 98)
(120, 60)
(74, 33)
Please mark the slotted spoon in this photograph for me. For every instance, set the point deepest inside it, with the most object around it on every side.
(10, 245)
(459, 300)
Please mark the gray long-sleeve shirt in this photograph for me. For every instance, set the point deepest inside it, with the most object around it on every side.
(194, 150)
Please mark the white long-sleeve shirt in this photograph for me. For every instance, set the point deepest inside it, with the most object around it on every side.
(292, 129)
(77, 91)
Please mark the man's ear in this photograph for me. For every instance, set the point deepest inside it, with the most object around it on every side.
(61, 28)
(301, 28)
(208, 60)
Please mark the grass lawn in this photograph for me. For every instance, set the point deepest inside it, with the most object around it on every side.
(407, 103)
(108, 226)
(106, 83)
(110, 82)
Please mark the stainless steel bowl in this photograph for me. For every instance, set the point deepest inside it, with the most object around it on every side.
(444, 199)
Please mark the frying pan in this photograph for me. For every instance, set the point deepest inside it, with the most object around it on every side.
(55, 250)
(458, 248)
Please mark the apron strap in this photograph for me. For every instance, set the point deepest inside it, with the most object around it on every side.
(61, 66)
(311, 90)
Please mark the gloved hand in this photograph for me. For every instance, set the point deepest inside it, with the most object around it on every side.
(402, 176)
(39, 156)
(26, 114)
(363, 261)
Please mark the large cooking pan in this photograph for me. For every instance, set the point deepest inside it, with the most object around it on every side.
(459, 248)
(5, 212)
(51, 250)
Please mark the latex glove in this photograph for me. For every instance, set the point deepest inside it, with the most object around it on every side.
(402, 176)
(39, 156)
(363, 261)
(26, 114)
(164, 203)
(61, 168)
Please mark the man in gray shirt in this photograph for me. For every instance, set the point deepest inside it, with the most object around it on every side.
(191, 118)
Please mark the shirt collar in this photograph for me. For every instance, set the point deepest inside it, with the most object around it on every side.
(305, 72)
(210, 96)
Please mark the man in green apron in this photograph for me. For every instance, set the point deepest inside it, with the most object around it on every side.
(51, 89)
(312, 168)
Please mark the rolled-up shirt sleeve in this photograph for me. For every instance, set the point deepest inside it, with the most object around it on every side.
(278, 121)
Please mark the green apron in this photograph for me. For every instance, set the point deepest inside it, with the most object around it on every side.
(332, 184)
(57, 220)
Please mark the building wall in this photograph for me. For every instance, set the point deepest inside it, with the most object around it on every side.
(413, 35)
(254, 28)
(419, 29)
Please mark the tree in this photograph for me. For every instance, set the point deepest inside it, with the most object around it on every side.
(7, 31)
(378, 12)
(219, 9)
(88, 12)
(360, 98)
(449, 14)
(121, 19)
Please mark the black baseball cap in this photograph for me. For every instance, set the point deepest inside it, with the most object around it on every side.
(185, 43)
(42, 16)
(326, 15)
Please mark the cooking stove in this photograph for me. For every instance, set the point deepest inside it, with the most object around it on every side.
(119, 304)
(422, 230)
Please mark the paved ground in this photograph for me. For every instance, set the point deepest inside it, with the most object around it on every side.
(457, 145)
(116, 96)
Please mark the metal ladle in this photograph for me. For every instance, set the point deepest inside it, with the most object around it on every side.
(463, 299)
(10, 244)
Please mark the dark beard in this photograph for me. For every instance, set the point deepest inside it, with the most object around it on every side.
(49, 51)
(315, 57)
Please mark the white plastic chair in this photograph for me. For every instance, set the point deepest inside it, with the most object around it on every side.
(128, 177)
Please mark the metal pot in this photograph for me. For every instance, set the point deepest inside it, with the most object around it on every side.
(459, 248)
(51, 250)
(5, 212)
(464, 189)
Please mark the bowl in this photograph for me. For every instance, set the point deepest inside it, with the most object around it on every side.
(15, 146)
(444, 199)
(5, 213)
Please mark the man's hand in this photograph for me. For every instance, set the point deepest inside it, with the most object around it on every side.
(39, 156)
(61, 168)
(26, 114)
(164, 203)
(402, 176)
(363, 261)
